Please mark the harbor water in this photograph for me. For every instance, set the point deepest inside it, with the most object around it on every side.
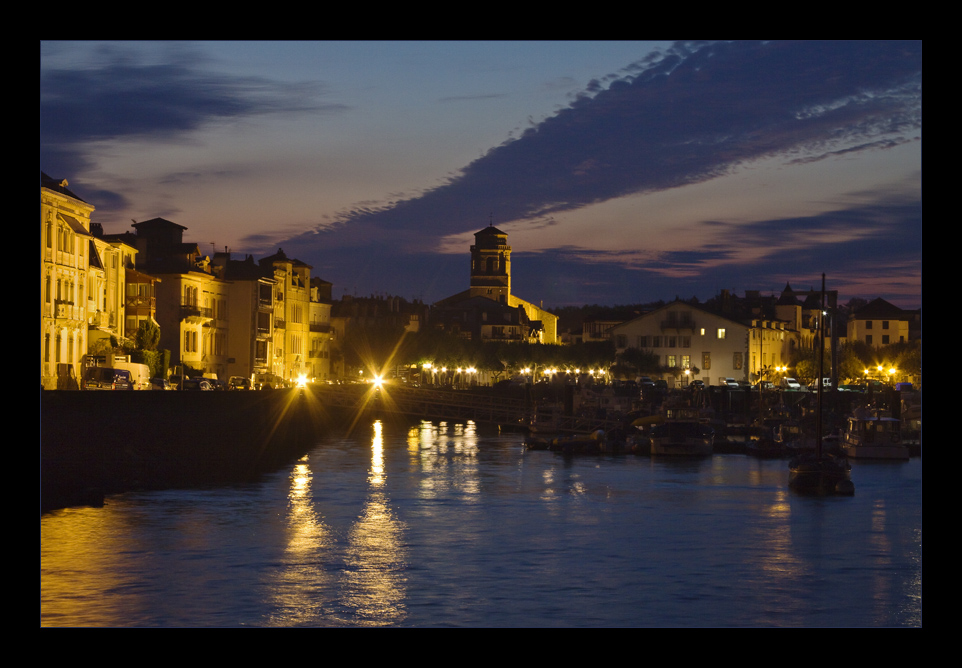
(454, 525)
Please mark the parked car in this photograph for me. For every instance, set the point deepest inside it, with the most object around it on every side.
(731, 383)
(196, 384)
(160, 384)
(106, 378)
(239, 383)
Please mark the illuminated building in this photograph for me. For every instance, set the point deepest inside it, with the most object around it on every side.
(292, 309)
(64, 270)
(686, 336)
(191, 299)
(879, 323)
(514, 320)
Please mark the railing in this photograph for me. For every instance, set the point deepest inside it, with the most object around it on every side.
(140, 302)
(193, 311)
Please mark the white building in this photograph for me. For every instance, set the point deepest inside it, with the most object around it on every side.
(686, 337)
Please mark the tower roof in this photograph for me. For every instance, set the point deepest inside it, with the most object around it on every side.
(490, 230)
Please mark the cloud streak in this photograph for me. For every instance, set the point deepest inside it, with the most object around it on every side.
(690, 114)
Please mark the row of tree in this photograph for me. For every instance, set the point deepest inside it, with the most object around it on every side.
(856, 357)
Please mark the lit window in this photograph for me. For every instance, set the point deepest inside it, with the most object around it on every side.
(721, 333)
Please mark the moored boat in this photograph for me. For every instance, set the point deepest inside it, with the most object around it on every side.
(873, 436)
(820, 474)
(682, 434)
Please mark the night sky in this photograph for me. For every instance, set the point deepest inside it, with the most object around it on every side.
(623, 172)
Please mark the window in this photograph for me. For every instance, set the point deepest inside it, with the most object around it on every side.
(656, 342)
(721, 332)
(868, 339)
(885, 339)
(686, 361)
(706, 361)
(686, 342)
(621, 341)
(672, 342)
(737, 361)
(868, 324)
(885, 324)
(670, 360)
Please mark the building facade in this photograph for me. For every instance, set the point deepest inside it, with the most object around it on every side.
(65, 248)
(879, 323)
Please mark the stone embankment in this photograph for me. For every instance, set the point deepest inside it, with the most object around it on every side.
(97, 443)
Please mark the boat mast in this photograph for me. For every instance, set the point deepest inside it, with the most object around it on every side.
(821, 351)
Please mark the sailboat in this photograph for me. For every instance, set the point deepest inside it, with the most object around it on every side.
(819, 472)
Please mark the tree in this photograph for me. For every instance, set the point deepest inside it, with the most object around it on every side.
(148, 335)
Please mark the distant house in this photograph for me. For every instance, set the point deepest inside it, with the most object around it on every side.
(685, 336)
(879, 323)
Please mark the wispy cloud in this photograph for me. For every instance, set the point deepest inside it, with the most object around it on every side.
(123, 96)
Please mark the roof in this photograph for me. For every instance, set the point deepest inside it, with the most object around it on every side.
(57, 186)
(156, 223)
(878, 309)
(75, 225)
(686, 304)
(491, 230)
(281, 256)
(787, 298)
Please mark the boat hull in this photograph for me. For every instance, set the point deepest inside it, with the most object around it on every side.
(820, 475)
(685, 448)
(898, 452)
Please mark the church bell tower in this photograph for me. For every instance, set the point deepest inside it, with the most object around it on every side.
(491, 265)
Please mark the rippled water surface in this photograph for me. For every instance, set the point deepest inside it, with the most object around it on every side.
(442, 525)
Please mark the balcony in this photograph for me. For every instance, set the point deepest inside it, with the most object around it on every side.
(196, 314)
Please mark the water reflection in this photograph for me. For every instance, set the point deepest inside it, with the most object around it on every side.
(373, 581)
(296, 591)
(436, 525)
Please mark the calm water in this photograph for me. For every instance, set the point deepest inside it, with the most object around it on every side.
(440, 525)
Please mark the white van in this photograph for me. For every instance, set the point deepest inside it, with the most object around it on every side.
(139, 374)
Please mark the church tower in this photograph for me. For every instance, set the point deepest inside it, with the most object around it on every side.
(491, 265)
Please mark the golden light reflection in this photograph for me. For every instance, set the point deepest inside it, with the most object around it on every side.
(83, 553)
(373, 585)
(293, 590)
